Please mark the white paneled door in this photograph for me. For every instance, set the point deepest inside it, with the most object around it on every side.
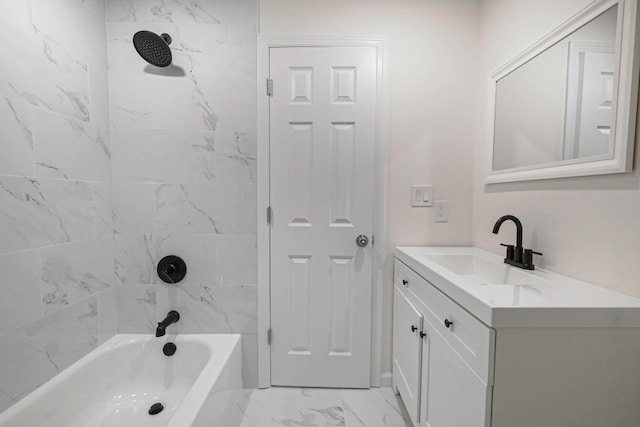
(597, 100)
(322, 121)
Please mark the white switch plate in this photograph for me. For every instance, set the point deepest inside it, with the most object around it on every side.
(441, 211)
(421, 196)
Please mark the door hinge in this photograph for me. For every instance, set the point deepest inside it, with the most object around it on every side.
(269, 214)
(269, 336)
(269, 87)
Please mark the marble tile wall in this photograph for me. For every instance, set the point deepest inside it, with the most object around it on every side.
(57, 300)
(183, 144)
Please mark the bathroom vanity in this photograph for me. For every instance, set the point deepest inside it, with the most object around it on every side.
(477, 342)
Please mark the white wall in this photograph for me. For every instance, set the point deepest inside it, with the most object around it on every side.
(432, 69)
(588, 228)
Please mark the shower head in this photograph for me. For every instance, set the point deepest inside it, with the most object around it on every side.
(153, 48)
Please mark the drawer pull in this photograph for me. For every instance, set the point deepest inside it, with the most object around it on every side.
(448, 323)
(413, 328)
(405, 282)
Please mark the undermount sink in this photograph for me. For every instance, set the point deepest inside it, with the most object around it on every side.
(485, 272)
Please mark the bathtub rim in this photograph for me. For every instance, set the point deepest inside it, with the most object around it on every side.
(221, 348)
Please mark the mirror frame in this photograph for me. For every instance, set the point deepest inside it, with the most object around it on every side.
(625, 101)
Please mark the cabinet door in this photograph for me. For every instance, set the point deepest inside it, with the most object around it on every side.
(407, 352)
(452, 394)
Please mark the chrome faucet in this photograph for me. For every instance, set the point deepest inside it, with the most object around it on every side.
(172, 317)
(516, 255)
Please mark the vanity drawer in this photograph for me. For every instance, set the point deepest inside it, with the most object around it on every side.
(469, 337)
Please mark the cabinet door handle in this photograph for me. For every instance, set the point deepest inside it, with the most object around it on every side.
(423, 334)
(448, 323)
(413, 328)
(405, 282)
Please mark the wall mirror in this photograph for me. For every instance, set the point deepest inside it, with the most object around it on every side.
(566, 106)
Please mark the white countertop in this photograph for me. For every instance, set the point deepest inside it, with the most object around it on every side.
(538, 298)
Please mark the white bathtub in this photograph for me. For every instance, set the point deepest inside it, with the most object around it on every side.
(116, 384)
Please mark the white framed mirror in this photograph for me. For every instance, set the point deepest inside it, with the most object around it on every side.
(567, 105)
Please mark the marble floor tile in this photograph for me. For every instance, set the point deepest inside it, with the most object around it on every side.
(293, 407)
(374, 407)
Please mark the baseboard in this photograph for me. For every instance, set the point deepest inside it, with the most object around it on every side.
(385, 379)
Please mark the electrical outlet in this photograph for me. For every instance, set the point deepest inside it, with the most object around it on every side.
(421, 196)
(441, 211)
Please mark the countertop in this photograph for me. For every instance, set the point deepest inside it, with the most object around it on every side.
(540, 298)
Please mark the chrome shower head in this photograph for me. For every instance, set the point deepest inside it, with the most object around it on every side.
(153, 48)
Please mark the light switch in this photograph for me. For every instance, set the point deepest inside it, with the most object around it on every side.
(421, 196)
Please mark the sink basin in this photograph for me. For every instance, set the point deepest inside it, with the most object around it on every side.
(482, 271)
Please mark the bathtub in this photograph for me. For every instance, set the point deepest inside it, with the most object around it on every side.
(116, 384)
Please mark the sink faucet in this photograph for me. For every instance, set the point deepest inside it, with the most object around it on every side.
(516, 255)
(513, 253)
(172, 317)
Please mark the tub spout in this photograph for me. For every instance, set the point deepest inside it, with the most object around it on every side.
(172, 317)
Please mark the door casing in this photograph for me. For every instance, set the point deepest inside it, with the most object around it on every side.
(380, 250)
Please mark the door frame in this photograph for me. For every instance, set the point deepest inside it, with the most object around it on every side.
(265, 44)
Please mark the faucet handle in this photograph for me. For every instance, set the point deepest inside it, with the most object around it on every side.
(527, 258)
(510, 251)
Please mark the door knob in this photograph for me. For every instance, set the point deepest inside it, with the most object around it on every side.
(413, 328)
(362, 240)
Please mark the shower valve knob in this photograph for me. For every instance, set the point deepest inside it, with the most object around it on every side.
(172, 269)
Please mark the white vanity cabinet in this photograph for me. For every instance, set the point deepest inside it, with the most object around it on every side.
(453, 395)
(496, 346)
(407, 326)
(442, 356)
